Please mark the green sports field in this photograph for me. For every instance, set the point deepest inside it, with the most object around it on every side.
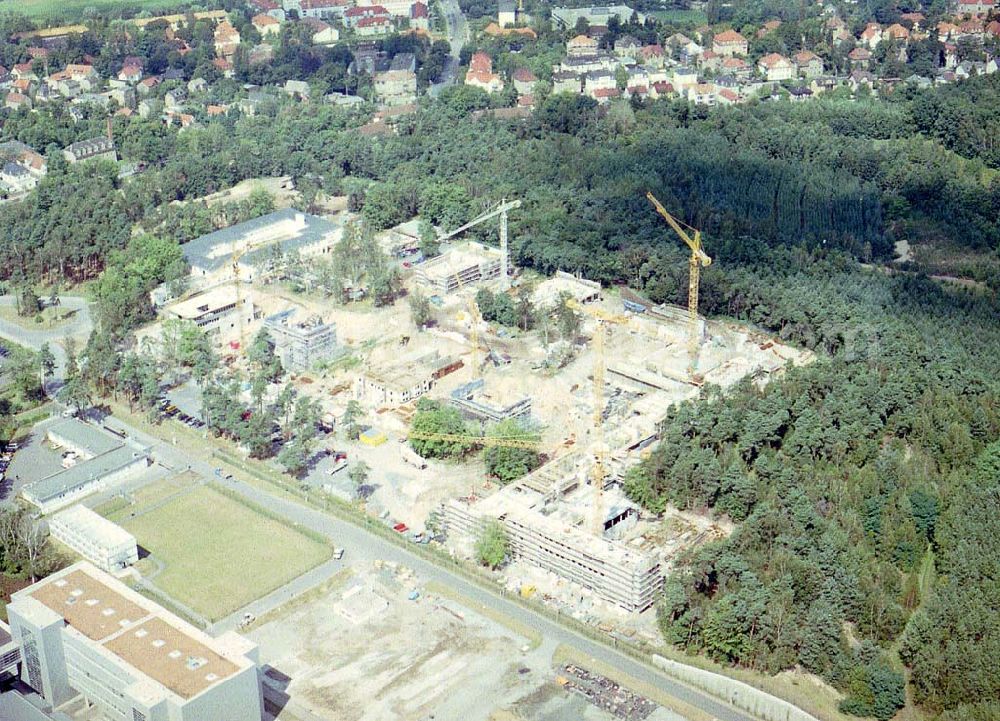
(72, 10)
(218, 554)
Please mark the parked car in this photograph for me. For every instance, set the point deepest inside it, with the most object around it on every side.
(338, 553)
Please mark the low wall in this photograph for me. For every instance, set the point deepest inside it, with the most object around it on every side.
(743, 696)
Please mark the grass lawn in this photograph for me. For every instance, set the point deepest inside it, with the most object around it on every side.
(219, 553)
(696, 17)
(52, 317)
(73, 9)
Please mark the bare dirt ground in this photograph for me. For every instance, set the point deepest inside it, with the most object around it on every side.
(367, 652)
(419, 659)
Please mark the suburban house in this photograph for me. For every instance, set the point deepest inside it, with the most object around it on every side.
(352, 16)
(896, 32)
(227, 39)
(581, 45)
(375, 25)
(481, 75)
(131, 71)
(808, 64)
(974, 7)
(323, 33)
(776, 67)
(860, 57)
(566, 82)
(871, 36)
(627, 47)
(701, 94)
(682, 78)
(323, 9)
(266, 25)
(769, 27)
(737, 67)
(16, 179)
(420, 18)
(524, 81)
(297, 88)
(99, 148)
(729, 43)
(651, 55)
(506, 13)
(398, 84)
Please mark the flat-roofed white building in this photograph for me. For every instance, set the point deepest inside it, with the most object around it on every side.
(220, 311)
(82, 633)
(105, 544)
(10, 653)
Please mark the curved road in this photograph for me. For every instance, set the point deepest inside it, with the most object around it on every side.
(78, 327)
(363, 544)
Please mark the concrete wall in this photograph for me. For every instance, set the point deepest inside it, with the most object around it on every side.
(743, 696)
(17, 707)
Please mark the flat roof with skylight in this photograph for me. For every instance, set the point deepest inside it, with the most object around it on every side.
(149, 641)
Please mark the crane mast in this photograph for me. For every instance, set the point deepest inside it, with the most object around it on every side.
(697, 260)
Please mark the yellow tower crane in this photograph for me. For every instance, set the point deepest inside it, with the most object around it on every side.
(697, 260)
(237, 285)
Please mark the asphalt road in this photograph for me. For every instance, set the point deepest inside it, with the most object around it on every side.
(78, 327)
(359, 543)
(458, 35)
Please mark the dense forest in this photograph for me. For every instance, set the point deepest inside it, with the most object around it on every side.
(864, 485)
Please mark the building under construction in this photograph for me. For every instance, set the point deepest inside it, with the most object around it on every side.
(399, 384)
(545, 516)
(475, 403)
(302, 344)
(462, 265)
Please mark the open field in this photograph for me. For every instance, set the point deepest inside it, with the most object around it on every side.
(219, 554)
(676, 15)
(73, 9)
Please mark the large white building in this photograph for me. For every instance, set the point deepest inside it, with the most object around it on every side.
(105, 544)
(249, 244)
(221, 311)
(82, 633)
(101, 460)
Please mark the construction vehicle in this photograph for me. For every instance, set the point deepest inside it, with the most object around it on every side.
(697, 260)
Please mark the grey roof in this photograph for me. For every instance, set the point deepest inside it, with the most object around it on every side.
(506, 6)
(82, 474)
(403, 61)
(85, 435)
(93, 146)
(14, 148)
(199, 251)
(14, 170)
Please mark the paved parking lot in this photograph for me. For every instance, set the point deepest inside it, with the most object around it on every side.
(31, 462)
(187, 398)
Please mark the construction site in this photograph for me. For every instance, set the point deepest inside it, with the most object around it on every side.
(593, 397)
